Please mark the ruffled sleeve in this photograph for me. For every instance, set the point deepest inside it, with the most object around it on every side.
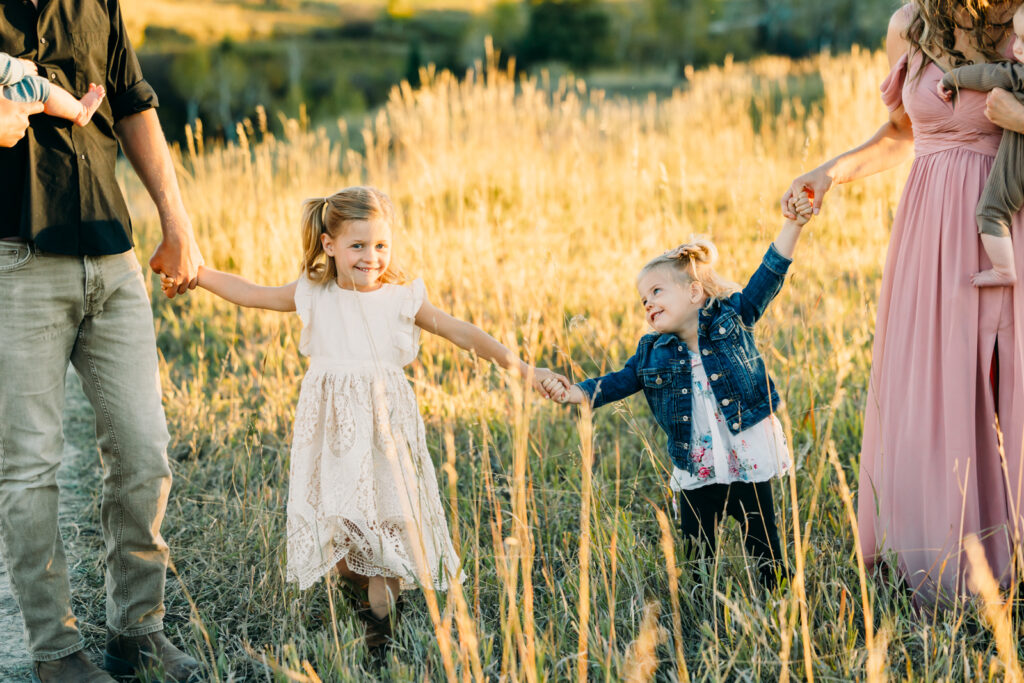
(892, 86)
(304, 308)
(408, 338)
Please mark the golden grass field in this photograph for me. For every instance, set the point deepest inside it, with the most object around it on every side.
(528, 210)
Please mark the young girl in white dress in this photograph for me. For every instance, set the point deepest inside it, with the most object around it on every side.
(363, 496)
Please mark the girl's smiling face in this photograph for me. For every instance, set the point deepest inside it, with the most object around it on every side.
(670, 306)
(361, 252)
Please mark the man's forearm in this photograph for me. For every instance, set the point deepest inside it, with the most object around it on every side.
(144, 144)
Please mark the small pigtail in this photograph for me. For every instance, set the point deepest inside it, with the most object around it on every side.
(693, 262)
(315, 264)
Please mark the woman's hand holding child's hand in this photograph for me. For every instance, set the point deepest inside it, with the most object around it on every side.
(801, 207)
(30, 67)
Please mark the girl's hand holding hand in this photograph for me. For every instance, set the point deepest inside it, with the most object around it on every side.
(549, 384)
(564, 393)
(945, 94)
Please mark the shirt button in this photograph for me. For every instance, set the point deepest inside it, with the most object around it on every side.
(53, 76)
(42, 41)
(714, 376)
(705, 352)
(725, 401)
(721, 330)
(83, 157)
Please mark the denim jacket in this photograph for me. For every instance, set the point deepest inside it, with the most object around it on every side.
(736, 372)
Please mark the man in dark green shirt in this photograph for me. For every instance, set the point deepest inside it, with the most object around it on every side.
(73, 291)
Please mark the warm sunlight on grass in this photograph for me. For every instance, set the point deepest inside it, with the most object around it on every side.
(528, 208)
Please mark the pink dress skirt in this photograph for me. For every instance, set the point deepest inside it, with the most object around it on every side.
(947, 359)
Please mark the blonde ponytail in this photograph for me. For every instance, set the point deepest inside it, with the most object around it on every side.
(694, 262)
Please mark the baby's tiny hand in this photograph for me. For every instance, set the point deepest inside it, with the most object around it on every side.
(30, 67)
(943, 92)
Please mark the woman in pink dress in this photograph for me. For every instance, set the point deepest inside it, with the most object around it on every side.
(948, 357)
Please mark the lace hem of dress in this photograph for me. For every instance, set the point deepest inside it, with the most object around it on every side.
(309, 561)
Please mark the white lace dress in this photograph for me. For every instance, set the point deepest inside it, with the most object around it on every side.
(362, 483)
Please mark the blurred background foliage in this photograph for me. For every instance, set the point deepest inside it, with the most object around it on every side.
(320, 59)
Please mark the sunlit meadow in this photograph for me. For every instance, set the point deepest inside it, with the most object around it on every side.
(528, 208)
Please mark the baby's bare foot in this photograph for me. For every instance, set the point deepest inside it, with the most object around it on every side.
(993, 278)
(90, 103)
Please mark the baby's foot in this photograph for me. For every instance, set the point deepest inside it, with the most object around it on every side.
(90, 103)
(994, 277)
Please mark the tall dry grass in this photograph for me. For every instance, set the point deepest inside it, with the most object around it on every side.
(528, 208)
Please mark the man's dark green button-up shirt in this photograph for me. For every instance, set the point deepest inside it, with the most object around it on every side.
(58, 184)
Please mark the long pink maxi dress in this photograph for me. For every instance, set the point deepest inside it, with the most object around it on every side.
(931, 473)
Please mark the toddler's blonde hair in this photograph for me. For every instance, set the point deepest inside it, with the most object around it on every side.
(328, 215)
(694, 262)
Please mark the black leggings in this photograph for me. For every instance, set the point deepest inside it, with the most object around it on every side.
(702, 508)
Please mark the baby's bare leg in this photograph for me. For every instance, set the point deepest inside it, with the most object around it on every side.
(1003, 271)
(63, 104)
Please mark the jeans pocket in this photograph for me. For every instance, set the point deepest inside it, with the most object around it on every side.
(14, 256)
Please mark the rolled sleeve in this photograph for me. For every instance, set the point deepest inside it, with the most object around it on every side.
(128, 91)
(137, 98)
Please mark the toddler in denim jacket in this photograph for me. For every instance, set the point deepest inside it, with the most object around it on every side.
(707, 386)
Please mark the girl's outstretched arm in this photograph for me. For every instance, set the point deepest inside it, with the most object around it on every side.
(470, 337)
(240, 291)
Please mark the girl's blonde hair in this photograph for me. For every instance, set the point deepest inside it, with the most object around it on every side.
(328, 215)
(693, 262)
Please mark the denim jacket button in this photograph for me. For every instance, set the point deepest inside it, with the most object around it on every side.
(686, 418)
(714, 376)
(735, 425)
(725, 401)
(685, 390)
(686, 446)
(680, 348)
(657, 381)
(705, 352)
(721, 330)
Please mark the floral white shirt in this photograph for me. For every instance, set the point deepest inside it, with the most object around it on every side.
(756, 454)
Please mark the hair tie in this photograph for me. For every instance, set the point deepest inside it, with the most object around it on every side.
(323, 213)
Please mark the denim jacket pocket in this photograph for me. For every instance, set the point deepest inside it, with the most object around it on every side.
(658, 384)
(724, 327)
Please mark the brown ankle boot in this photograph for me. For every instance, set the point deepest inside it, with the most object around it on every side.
(75, 668)
(153, 654)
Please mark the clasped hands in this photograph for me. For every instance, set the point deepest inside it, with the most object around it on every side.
(556, 387)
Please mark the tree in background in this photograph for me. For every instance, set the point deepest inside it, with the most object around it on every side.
(577, 32)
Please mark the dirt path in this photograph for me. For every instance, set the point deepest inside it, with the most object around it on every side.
(76, 477)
